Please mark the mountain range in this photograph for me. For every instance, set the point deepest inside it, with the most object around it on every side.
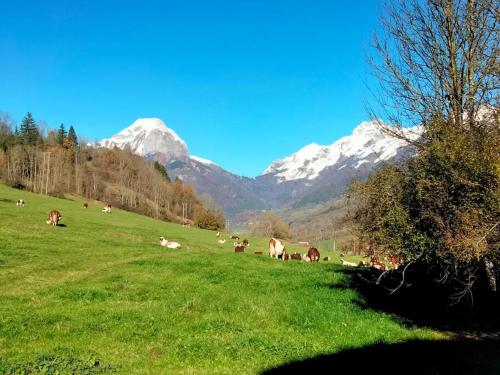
(313, 175)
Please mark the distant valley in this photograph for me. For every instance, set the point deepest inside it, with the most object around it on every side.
(312, 176)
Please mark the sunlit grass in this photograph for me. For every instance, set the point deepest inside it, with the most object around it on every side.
(101, 288)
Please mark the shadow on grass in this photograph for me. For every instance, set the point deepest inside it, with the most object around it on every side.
(413, 357)
(426, 306)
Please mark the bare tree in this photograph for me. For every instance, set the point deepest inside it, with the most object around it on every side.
(436, 58)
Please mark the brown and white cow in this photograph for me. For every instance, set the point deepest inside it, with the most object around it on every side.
(313, 255)
(276, 248)
(85, 205)
(295, 256)
(107, 209)
(239, 248)
(54, 217)
(375, 263)
(245, 242)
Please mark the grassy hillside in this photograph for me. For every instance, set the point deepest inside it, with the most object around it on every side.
(100, 294)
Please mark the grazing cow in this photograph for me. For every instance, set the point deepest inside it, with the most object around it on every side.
(295, 256)
(54, 217)
(169, 244)
(85, 205)
(245, 242)
(285, 256)
(276, 248)
(107, 209)
(20, 202)
(222, 241)
(345, 263)
(395, 261)
(313, 254)
(239, 248)
(235, 237)
(376, 264)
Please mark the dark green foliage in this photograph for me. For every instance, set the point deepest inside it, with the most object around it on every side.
(61, 135)
(163, 171)
(440, 209)
(28, 132)
(72, 138)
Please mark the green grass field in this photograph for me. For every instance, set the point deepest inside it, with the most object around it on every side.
(99, 294)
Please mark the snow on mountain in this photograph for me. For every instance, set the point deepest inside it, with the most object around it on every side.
(149, 137)
(367, 144)
(202, 160)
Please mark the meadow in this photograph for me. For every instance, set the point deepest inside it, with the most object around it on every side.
(98, 294)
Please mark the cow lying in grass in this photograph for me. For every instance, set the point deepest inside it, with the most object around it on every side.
(345, 263)
(107, 209)
(170, 244)
(54, 217)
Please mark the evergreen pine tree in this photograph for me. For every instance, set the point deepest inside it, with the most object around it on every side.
(28, 131)
(61, 135)
(163, 171)
(73, 140)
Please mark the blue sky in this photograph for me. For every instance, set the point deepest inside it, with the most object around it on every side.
(242, 82)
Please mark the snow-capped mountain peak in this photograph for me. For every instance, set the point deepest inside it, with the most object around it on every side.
(367, 144)
(150, 137)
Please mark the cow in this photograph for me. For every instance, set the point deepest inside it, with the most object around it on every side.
(285, 256)
(295, 256)
(235, 237)
(395, 261)
(345, 263)
(54, 217)
(169, 244)
(313, 254)
(107, 209)
(85, 205)
(245, 242)
(376, 264)
(217, 234)
(326, 259)
(239, 248)
(20, 202)
(276, 248)
(222, 241)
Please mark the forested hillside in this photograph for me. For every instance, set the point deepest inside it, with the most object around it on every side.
(56, 163)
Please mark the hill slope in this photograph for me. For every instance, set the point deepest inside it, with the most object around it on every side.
(99, 293)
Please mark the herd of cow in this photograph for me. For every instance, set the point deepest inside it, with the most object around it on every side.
(276, 247)
(55, 216)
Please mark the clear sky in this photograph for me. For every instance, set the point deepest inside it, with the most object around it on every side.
(242, 82)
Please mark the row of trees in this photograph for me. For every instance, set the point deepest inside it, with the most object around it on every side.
(57, 164)
(440, 212)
